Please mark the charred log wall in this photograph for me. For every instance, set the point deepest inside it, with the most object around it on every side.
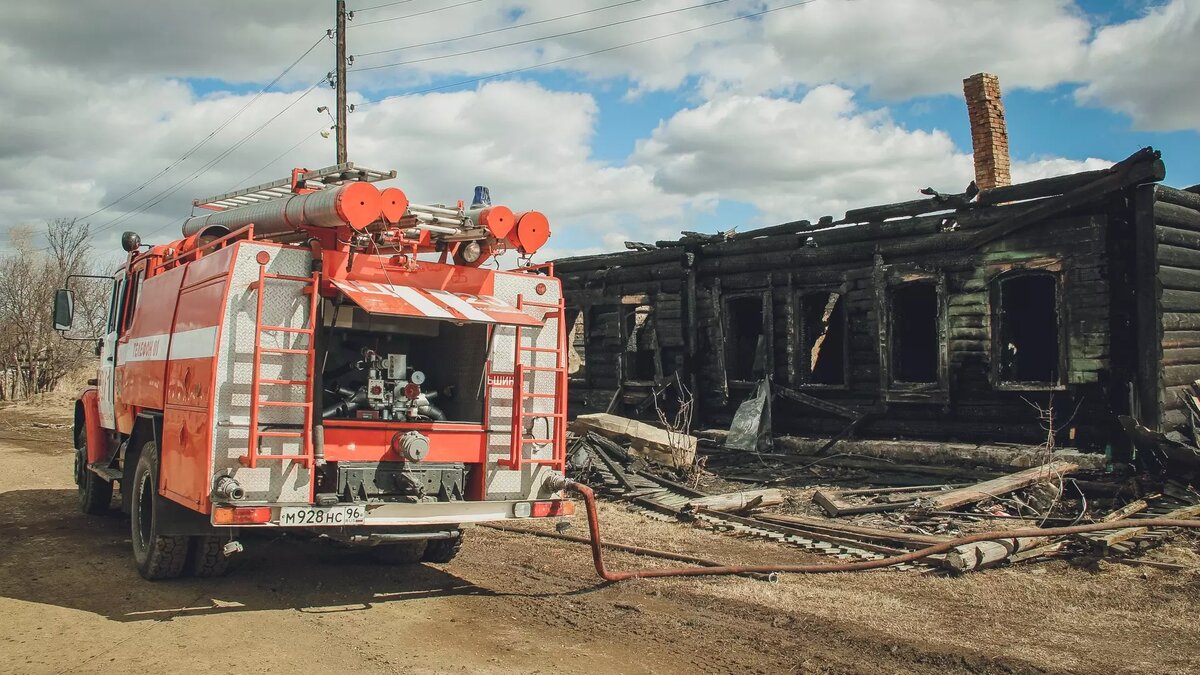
(1176, 223)
(972, 322)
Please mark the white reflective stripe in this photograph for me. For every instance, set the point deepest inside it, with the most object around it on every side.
(423, 304)
(455, 302)
(189, 344)
(147, 348)
(194, 344)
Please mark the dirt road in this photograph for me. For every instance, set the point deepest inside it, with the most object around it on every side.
(71, 601)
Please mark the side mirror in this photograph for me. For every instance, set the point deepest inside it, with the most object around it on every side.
(64, 309)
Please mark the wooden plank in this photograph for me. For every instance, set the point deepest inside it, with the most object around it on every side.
(818, 525)
(1179, 278)
(915, 207)
(1177, 256)
(1176, 321)
(1174, 376)
(1126, 511)
(1180, 339)
(1179, 357)
(830, 504)
(1000, 486)
(737, 501)
(1180, 301)
(645, 440)
(1143, 166)
(1121, 536)
(818, 403)
(1177, 237)
(1178, 216)
(1045, 187)
(1177, 197)
(1150, 320)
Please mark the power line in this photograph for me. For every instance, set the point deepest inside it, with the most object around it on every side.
(162, 195)
(278, 157)
(209, 137)
(546, 37)
(586, 54)
(409, 16)
(499, 30)
(388, 4)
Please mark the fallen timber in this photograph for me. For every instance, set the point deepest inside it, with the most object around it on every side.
(664, 500)
(999, 486)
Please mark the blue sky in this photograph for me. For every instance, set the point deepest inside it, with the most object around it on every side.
(802, 112)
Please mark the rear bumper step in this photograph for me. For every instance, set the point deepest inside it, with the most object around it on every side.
(396, 515)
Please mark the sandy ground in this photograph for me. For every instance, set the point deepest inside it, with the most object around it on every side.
(71, 601)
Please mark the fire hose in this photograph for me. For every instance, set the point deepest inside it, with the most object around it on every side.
(589, 499)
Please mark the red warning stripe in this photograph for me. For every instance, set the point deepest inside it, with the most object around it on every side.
(424, 303)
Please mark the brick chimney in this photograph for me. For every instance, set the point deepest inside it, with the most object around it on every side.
(989, 134)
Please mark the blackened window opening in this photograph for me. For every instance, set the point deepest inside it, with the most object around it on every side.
(822, 331)
(745, 349)
(1029, 329)
(641, 344)
(914, 337)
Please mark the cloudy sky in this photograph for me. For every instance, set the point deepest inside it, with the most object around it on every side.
(619, 119)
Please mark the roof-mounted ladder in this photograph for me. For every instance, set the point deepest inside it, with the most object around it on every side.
(300, 180)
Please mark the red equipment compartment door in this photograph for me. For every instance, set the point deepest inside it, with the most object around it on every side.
(142, 349)
(191, 376)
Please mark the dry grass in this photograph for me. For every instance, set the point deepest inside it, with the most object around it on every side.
(1048, 615)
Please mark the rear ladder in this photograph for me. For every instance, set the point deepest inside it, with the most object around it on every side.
(558, 435)
(306, 456)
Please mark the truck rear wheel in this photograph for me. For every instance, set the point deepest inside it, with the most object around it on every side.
(207, 556)
(95, 493)
(401, 553)
(442, 550)
(157, 557)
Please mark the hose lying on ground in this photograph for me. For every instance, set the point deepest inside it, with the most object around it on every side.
(589, 499)
(639, 550)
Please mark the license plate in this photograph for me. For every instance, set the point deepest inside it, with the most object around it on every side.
(315, 515)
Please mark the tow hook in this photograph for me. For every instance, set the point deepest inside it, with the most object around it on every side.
(232, 548)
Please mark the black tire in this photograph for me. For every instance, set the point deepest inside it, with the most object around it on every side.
(442, 550)
(402, 553)
(95, 493)
(207, 556)
(156, 556)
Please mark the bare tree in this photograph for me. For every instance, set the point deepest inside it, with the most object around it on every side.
(34, 358)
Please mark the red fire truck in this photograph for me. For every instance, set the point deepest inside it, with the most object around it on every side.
(320, 355)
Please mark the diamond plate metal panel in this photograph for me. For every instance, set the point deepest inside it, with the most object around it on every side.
(283, 305)
(524, 484)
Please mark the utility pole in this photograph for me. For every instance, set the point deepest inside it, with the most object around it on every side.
(340, 82)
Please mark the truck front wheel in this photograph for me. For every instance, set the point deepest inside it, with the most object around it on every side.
(95, 493)
(157, 557)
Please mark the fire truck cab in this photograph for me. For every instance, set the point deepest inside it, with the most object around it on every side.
(320, 355)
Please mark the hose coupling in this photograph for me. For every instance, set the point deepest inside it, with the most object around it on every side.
(227, 488)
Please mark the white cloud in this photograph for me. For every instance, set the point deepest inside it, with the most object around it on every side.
(796, 159)
(904, 48)
(93, 104)
(817, 156)
(1048, 167)
(86, 143)
(1147, 68)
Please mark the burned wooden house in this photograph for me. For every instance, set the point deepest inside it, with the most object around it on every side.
(970, 317)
